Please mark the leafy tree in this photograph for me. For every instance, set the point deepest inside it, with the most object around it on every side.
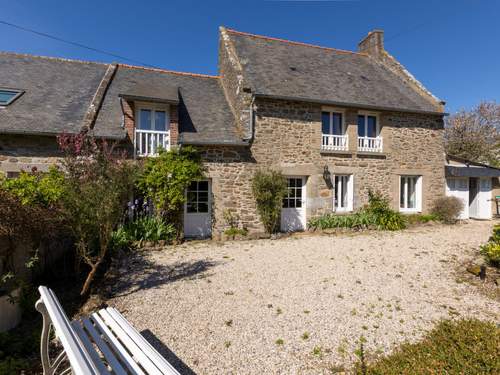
(269, 189)
(165, 179)
(475, 135)
(98, 183)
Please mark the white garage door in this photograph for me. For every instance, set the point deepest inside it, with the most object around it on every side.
(197, 210)
(293, 212)
(459, 187)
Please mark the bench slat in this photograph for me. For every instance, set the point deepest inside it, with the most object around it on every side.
(116, 345)
(80, 361)
(103, 347)
(136, 351)
(150, 351)
(90, 348)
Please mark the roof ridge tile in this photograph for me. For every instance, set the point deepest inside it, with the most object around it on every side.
(199, 75)
(342, 51)
(60, 59)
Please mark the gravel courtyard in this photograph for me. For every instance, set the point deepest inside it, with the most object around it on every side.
(300, 304)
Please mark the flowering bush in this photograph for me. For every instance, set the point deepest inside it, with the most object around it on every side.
(98, 183)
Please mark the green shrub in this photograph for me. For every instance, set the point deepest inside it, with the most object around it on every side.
(166, 178)
(377, 214)
(447, 209)
(232, 220)
(269, 189)
(492, 252)
(492, 249)
(467, 346)
(150, 229)
(385, 217)
(44, 189)
(143, 229)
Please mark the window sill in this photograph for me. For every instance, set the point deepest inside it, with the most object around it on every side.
(382, 155)
(410, 211)
(336, 152)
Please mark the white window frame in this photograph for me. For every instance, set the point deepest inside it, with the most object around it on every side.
(350, 193)
(418, 194)
(153, 107)
(197, 201)
(366, 114)
(331, 111)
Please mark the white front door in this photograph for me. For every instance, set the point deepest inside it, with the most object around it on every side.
(459, 187)
(484, 201)
(293, 212)
(197, 210)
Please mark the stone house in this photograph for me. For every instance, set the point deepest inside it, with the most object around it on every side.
(336, 123)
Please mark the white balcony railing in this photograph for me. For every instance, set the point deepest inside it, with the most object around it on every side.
(147, 142)
(370, 144)
(330, 142)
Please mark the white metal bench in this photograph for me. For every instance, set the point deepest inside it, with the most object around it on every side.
(103, 343)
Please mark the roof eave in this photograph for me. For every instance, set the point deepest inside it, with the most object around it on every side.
(148, 99)
(347, 104)
(55, 134)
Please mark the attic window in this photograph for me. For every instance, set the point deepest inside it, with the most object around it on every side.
(7, 96)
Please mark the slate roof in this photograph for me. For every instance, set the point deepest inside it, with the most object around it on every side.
(284, 69)
(204, 114)
(57, 93)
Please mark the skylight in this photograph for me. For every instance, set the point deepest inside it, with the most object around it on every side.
(7, 96)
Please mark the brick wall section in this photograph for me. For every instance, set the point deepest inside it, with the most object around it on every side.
(288, 138)
(174, 124)
(129, 121)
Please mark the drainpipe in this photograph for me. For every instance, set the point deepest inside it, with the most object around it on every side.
(252, 118)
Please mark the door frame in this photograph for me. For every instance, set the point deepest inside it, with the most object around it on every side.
(303, 216)
(208, 214)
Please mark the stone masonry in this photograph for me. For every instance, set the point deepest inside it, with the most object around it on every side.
(287, 137)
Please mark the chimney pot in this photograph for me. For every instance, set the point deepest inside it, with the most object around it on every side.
(373, 43)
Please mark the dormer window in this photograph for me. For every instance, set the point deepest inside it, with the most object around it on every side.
(7, 96)
(152, 129)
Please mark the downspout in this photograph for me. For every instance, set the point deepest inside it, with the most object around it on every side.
(252, 122)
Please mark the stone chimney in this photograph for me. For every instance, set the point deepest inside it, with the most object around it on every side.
(373, 43)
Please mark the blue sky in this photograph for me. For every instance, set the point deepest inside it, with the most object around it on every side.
(452, 47)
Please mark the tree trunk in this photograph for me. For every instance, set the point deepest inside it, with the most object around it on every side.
(90, 277)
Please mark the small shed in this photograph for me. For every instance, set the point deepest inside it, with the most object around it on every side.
(476, 184)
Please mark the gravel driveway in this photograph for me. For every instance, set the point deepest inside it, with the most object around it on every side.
(300, 304)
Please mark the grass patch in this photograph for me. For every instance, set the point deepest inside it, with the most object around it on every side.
(467, 346)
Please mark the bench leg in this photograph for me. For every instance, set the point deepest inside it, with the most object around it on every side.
(48, 369)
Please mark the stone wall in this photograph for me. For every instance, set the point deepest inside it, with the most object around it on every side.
(236, 89)
(230, 170)
(23, 152)
(288, 138)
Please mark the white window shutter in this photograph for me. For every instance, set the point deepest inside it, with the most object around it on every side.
(419, 193)
(350, 193)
